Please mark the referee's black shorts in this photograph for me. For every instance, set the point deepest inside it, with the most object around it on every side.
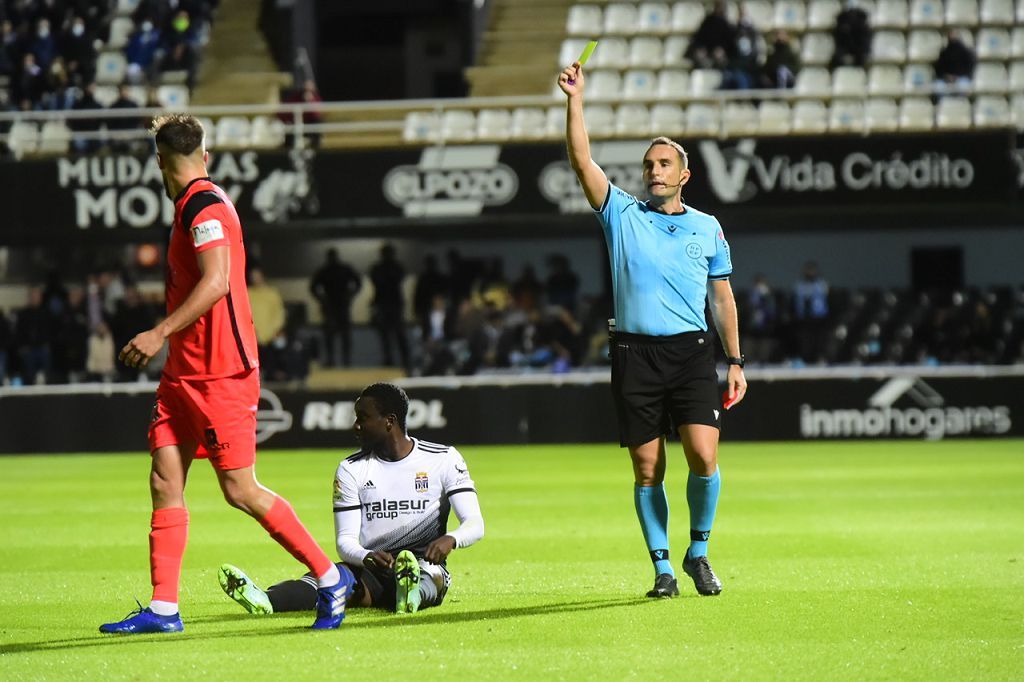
(663, 382)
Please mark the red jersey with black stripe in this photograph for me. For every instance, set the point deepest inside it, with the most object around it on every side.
(222, 341)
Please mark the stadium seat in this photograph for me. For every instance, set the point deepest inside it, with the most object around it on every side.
(889, 47)
(991, 112)
(121, 29)
(138, 94)
(891, 14)
(774, 118)
(702, 119)
(846, 116)
(703, 81)
(1019, 12)
(612, 54)
(816, 49)
(953, 113)
(584, 20)
(267, 132)
(881, 114)
(813, 80)
(686, 16)
(1017, 111)
(916, 113)
(760, 13)
(1017, 43)
(790, 15)
(673, 84)
(571, 49)
(924, 46)
(961, 13)
(675, 51)
(106, 94)
(493, 124)
(110, 68)
(926, 13)
(667, 119)
(528, 123)
(639, 84)
(554, 122)
(233, 131)
(993, 43)
(810, 117)
(600, 120)
(126, 7)
(620, 19)
(991, 77)
(1016, 84)
(604, 86)
(420, 126)
(23, 138)
(646, 52)
(739, 118)
(54, 138)
(849, 80)
(821, 15)
(458, 125)
(654, 18)
(885, 79)
(996, 12)
(632, 120)
(918, 77)
(172, 96)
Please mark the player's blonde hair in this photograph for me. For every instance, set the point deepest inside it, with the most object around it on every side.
(178, 133)
(683, 158)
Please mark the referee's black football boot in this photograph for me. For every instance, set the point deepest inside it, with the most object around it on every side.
(704, 579)
(665, 586)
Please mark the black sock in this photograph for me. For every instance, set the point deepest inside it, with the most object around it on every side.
(293, 595)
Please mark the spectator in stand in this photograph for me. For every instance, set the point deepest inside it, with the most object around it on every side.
(8, 56)
(334, 286)
(742, 70)
(438, 327)
(58, 95)
(43, 46)
(180, 30)
(268, 318)
(141, 52)
(762, 321)
(131, 315)
(29, 83)
(563, 285)
(33, 334)
(714, 43)
(810, 312)
(527, 290)
(387, 275)
(99, 363)
(181, 57)
(71, 337)
(492, 287)
(77, 47)
(852, 36)
(461, 274)
(86, 102)
(307, 94)
(954, 68)
(782, 63)
(429, 285)
(123, 124)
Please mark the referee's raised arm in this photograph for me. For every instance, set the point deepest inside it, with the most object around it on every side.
(593, 179)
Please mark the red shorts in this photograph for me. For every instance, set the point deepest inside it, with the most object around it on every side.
(217, 415)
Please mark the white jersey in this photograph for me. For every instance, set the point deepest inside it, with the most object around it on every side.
(403, 504)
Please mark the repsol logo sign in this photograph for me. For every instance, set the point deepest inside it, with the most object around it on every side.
(738, 174)
(451, 181)
(929, 418)
(392, 509)
(340, 415)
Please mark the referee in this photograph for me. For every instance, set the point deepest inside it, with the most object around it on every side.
(663, 254)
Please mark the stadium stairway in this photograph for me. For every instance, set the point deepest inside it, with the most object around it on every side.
(520, 48)
(237, 67)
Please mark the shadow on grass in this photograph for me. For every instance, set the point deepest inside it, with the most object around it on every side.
(431, 617)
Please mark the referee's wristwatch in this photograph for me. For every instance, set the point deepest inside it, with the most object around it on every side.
(741, 360)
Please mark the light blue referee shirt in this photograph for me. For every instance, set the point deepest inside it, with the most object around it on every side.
(661, 264)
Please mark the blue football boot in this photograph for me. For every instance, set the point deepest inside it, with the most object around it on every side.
(330, 601)
(142, 621)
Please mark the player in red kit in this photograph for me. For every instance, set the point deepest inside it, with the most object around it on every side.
(206, 401)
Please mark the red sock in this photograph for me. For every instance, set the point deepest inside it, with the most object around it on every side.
(166, 548)
(285, 527)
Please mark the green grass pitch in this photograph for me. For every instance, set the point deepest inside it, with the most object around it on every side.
(883, 560)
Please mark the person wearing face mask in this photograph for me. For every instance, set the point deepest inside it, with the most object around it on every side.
(42, 46)
(76, 46)
(142, 49)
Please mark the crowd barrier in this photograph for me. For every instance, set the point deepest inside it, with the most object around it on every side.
(840, 403)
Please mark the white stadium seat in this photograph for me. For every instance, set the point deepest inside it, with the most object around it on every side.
(810, 117)
(885, 79)
(991, 77)
(612, 53)
(646, 52)
(620, 19)
(1017, 43)
(421, 126)
(675, 51)
(953, 113)
(918, 77)
(891, 14)
(639, 84)
(604, 86)
(740, 118)
(458, 125)
(54, 138)
(667, 119)
(106, 94)
(813, 80)
(925, 13)
(774, 118)
(996, 13)
(1017, 111)
(584, 20)
(821, 14)
(267, 132)
(528, 123)
(172, 96)
(924, 46)
(126, 7)
(702, 119)
(790, 15)
(849, 80)
(571, 49)
(816, 49)
(493, 124)
(881, 114)
(554, 122)
(961, 13)
(121, 29)
(760, 13)
(889, 46)
(654, 18)
(600, 120)
(991, 112)
(993, 43)
(110, 68)
(686, 16)
(1016, 77)
(703, 81)
(916, 113)
(672, 84)
(632, 120)
(846, 116)
(233, 131)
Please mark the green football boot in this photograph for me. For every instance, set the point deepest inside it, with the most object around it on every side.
(407, 582)
(239, 587)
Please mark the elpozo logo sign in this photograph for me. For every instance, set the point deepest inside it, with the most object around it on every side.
(924, 414)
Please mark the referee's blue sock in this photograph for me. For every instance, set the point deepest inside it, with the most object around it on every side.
(652, 510)
(702, 496)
